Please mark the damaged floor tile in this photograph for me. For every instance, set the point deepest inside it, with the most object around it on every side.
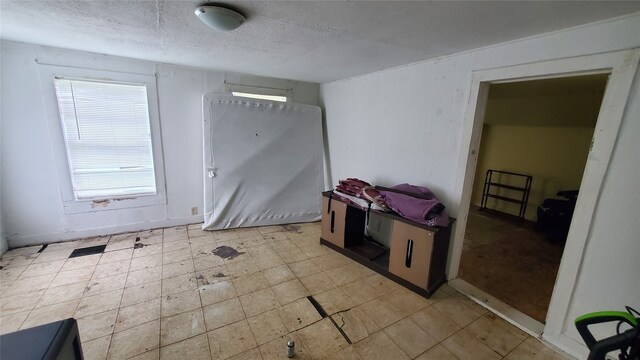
(186, 293)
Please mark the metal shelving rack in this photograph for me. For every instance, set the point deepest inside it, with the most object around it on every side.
(490, 182)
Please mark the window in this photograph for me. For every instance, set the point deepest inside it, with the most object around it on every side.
(258, 92)
(105, 138)
(260, 96)
(108, 137)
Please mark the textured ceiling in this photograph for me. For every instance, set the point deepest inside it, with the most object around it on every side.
(316, 41)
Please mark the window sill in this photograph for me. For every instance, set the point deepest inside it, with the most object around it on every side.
(114, 203)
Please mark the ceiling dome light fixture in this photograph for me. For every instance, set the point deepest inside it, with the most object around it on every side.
(219, 18)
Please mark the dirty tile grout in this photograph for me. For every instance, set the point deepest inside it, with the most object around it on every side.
(323, 261)
(44, 292)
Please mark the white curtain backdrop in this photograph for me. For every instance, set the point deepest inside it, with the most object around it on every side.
(262, 162)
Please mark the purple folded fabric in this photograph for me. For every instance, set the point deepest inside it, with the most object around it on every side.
(429, 211)
(415, 189)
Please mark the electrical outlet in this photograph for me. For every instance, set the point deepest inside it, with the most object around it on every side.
(194, 210)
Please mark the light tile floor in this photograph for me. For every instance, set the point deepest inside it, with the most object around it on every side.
(174, 299)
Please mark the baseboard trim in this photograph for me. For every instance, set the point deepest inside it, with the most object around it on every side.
(29, 240)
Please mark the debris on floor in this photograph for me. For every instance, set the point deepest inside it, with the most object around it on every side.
(227, 252)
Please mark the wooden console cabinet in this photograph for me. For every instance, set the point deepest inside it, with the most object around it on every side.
(341, 223)
(416, 258)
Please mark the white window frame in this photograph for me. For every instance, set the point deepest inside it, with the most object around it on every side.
(71, 205)
(260, 96)
(258, 90)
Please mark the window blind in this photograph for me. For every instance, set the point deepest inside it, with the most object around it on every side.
(108, 137)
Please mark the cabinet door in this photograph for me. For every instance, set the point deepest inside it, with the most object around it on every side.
(410, 255)
(333, 221)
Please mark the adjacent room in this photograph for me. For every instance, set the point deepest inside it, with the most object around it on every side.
(534, 145)
(319, 179)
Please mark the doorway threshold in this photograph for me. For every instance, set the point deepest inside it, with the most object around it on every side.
(507, 312)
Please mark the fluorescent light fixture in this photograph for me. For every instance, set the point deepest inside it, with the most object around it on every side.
(260, 96)
(219, 18)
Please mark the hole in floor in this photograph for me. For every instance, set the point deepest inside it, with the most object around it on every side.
(88, 251)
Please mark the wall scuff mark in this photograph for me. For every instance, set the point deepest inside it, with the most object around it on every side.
(100, 203)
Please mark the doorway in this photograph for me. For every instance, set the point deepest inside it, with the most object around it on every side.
(534, 145)
(622, 67)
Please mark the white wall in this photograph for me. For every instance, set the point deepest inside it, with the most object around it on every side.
(405, 124)
(4, 244)
(31, 203)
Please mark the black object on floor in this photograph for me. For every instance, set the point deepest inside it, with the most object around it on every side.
(88, 251)
(57, 340)
(43, 247)
(555, 215)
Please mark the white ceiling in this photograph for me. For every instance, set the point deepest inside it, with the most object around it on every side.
(315, 41)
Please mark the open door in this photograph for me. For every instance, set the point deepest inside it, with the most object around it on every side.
(534, 146)
(622, 67)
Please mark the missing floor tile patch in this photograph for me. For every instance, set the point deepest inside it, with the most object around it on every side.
(227, 252)
(43, 247)
(92, 250)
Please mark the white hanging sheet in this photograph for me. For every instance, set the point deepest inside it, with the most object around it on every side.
(262, 162)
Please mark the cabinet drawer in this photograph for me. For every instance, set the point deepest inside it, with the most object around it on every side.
(333, 221)
(410, 255)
